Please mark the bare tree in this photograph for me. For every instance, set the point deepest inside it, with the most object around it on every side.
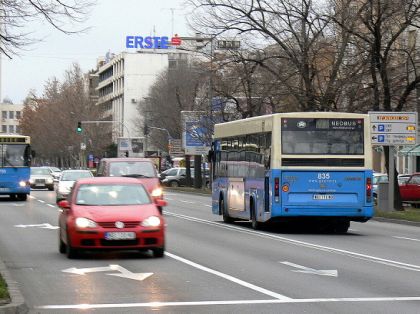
(51, 120)
(15, 15)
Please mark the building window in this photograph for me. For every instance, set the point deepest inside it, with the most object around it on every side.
(17, 114)
(4, 128)
(4, 114)
(11, 114)
(17, 129)
(11, 129)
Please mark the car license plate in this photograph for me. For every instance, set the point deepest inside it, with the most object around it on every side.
(120, 235)
(323, 197)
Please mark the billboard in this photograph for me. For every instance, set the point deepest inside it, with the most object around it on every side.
(196, 132)
(133, 146)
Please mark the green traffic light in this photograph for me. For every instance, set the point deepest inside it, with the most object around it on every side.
(79, 127)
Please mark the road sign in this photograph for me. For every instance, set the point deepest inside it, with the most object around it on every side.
(393, 128)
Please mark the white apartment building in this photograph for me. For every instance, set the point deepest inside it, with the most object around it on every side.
(124, 82)
(10, 115)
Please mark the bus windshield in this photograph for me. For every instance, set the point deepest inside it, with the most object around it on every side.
(14, 155)
(322, 136)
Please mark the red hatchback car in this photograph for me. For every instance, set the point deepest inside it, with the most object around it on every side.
(110, 213)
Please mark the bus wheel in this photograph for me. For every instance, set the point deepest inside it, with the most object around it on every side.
(225, 214)
(342, 226)
(254, 223)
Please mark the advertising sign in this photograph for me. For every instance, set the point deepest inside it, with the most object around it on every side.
(152, 42)
(196, 137)
(134, 146)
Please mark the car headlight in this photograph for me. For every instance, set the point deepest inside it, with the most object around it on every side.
(82, 222)
(49, 180)
(152, 221)
(157, 192)
(31, 181)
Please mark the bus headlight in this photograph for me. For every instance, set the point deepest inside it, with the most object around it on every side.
(157, 192)
(22, 184)
(152, 221)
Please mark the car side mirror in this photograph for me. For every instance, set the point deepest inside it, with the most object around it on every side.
(161, 203)
(64, 204)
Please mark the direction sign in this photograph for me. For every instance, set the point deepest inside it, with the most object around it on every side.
(393, 128)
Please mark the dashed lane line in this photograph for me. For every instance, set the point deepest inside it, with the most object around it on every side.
(410, 239)
(356, 255)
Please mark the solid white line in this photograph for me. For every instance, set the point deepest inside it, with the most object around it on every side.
(370, 258)
(189, 202)
(404, 238)
(228, 277)
(233, 302)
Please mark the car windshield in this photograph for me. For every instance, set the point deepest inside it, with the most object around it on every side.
(40, 171)
(55, 169)
(111, 195)
(132, 168)
(74, 175)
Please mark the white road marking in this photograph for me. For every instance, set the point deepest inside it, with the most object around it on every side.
(168, 199)
(228, 277)
(404, 238)
(366, 257)
(42, 226)
(41, 201)
(51, 205)
(307, 270)
(208, 205)
(30, 196)
(233, 302)
(188, 202)
(124, 273)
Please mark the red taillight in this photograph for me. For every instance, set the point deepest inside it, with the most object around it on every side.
(276, 187)
(369, 190)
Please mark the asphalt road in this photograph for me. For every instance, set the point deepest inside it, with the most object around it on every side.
(212, 267)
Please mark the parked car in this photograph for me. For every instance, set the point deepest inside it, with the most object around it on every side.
(110, 213)
(66, 182)
(409, 185)
(175, 177)
(41, 178)
(139, 168)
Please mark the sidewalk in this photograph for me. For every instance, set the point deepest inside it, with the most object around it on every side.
(17, 303)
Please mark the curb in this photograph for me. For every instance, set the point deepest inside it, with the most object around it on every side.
(397, 221)
(17, 303)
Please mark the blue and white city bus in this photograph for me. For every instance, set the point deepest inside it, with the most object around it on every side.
(279, 167)
(15, 158)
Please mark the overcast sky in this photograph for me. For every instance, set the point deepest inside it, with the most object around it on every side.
(110, 22)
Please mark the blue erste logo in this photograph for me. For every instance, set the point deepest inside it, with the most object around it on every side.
(149, 42)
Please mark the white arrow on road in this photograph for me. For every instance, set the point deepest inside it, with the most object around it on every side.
(42, 226)
(307, 270)
(124, 273)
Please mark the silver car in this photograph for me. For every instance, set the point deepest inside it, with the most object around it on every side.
(41, 178)
(66, 182)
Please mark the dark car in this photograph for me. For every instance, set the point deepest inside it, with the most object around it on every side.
(175, 177)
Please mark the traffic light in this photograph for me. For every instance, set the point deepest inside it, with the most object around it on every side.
(79, 127)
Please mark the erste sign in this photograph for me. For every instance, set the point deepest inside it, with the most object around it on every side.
(151, 42)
